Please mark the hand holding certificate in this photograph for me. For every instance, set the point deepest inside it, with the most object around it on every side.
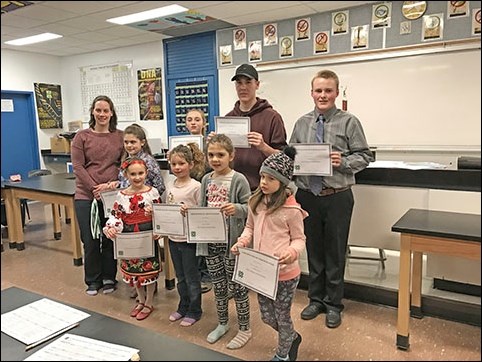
(313, 159)
(168, 220)
(206, 225)
(134, 245)
(185, 140)
(108, 198)
(257, 271)
(236, 128)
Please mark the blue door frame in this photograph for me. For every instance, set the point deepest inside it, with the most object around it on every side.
(20, 147)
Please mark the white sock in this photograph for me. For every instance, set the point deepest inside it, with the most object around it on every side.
(220, 331)
(241, 338)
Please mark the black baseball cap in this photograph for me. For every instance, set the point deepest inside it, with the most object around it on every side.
(245, 70)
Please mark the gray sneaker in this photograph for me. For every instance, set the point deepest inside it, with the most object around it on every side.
(92, 290)
(109, 287)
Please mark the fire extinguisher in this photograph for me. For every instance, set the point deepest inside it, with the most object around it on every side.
(344, 102)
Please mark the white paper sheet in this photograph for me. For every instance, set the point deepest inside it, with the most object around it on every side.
(257, 271)
(407, 165)
(175, 141)
(313, 159)
(71, 347)
(38, 320)
(168, 220)
(206, 225)
(108, 199)
(236, 128)
(134, 245)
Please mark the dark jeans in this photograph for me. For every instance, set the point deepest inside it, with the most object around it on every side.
(203, 269)
(99, 262)
(185, 262)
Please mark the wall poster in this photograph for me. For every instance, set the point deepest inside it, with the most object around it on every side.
(149, 85)
(48, 99)
(112, 80)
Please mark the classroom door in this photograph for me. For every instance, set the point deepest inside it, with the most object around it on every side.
(191, 81)
(20, 151)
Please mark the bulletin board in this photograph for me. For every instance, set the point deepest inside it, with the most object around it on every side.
(113, 80)
(190, 95)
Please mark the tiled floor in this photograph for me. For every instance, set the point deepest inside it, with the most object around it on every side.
(368, 331)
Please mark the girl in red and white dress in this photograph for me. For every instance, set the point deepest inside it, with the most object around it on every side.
(132, 212)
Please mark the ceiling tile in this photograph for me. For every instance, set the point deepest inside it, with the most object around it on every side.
(85, 29)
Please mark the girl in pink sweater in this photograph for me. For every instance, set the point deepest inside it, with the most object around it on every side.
(275, 227)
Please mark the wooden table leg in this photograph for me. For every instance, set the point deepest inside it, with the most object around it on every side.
(17, 221)
(403, 317)
(7, 195)
(67, 215)
(416, 307)
(57, 226)
(169, 272)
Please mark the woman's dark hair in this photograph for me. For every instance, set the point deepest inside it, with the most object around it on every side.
(113, 119)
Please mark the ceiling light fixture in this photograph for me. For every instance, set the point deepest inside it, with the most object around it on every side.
(149, 14)
(34, 39)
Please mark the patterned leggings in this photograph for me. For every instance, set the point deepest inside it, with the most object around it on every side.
(277, 314)
(221, 269)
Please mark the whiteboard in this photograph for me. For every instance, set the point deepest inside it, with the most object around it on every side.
(418, 100)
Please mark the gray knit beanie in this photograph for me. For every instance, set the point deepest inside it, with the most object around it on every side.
(280, 165)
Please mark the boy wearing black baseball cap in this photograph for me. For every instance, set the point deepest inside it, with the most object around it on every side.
(267, 134)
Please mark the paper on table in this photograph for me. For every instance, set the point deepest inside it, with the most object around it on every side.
(71, 347)
(407, 165)
(38, 320)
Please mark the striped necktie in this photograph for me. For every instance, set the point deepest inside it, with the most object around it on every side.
(316, 182)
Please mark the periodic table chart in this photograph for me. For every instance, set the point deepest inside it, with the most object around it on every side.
(112, 80)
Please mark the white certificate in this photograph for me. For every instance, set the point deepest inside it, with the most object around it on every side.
(108, 198)
(313, 159)
(236, 128)
(184, 140)
(257, 271)
(168, 220)
(134, 245)
(206, 225)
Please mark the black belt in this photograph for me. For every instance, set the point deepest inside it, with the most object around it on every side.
(330, 191)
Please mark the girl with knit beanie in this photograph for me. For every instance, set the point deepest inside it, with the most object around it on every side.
(275, 227)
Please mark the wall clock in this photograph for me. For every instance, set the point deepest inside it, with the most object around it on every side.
(413, 9)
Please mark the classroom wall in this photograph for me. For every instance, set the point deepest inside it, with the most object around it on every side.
(415, 100)
(21, 69)
(422, 99)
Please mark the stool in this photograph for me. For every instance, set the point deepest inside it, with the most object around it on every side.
(382, 257)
